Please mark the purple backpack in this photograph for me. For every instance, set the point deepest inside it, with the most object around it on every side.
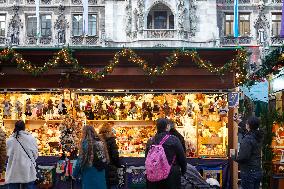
(157, 165)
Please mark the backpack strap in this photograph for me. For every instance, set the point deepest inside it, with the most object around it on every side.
(164, 139)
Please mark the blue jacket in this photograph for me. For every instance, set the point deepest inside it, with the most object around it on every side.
(90, 176)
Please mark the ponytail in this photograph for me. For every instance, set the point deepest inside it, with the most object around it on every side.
(19, 126)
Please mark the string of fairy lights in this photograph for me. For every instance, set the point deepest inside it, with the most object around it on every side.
(271, 65)
(236, 65)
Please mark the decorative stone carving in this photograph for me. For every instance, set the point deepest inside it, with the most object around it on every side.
(181, 15)
(77, 40)
(277, 41)
(93, 2)
(128, 9)
(159, 45)
(46, 2)
(261, 24)
(141, 16)
(45, 40)
(60, 26)
(92, 40)
(30, 2)
(276, 1)
(77, 2)
(236, 40)
(192, 17)
(31, 40)
(161, 34)
(2, 40)
(134, 33)
(14, 27)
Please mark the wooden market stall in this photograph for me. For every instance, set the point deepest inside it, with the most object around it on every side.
(131, 72)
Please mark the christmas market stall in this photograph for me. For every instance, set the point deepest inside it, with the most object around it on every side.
(57, 91)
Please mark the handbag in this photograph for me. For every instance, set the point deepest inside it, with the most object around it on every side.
(39, 175)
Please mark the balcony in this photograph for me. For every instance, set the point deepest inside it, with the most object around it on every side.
(30, 2)
(42, 41)
(159, 33)
(46, 2)
(2, 40)
(241, 2)
(85, 41)
(276, 1)
(31, 40)
(79, 2)
(277, 41)
(234, 41)
(45, 41)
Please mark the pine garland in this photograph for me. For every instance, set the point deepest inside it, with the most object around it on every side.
(236, 65)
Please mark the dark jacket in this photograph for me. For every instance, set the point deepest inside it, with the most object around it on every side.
(172, 148)
(111, 171)
(249, 156)
(174, 132)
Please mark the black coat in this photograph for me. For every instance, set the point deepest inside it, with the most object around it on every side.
(111, 171)
(249, 156)
(172, 148)
(174, 132)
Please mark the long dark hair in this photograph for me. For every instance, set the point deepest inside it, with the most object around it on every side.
(254, 125)
(87, 155)
(19, 126)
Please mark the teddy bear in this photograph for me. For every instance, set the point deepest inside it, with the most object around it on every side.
(62, 109)
(18, 109)
(122, 110)
(7, 108)
(111, 110)
(132, 109)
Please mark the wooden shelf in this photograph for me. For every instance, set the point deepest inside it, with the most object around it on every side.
(34, 124)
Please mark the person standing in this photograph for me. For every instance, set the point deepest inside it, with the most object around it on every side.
(249, 156)
(174, 154)
(22, 152)
(3, 154)
(106, 131)
(173, 131)
(92, 160)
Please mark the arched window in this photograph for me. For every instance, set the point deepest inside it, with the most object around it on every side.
(160, 17)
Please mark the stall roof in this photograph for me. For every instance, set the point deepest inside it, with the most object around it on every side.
(186, 75)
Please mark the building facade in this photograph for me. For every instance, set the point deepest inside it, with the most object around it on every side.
(140, 23)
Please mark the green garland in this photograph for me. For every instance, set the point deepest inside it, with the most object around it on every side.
(270, 65)
(236, 65)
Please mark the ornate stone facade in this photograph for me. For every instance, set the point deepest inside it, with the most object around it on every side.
(124, 23)
(60, 27)
(14, 27)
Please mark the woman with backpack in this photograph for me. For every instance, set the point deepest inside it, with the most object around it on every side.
(249, 156)
(22, 152)
(169, 157)
(92, 161)
(106, 131)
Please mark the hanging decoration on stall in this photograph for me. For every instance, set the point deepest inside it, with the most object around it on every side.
(65, 56)
(69, 137)
(272, 64)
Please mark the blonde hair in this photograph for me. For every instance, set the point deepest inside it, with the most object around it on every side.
(106, 130)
